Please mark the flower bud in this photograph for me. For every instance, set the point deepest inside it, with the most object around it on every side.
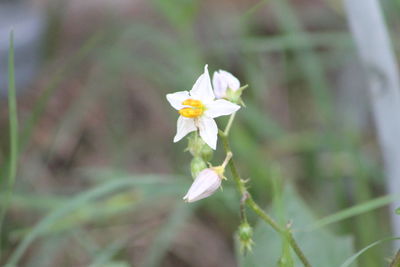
(197, 165)
(222, 81)
(198, 148)
(245, 237)
(205, 184)
(206, 153)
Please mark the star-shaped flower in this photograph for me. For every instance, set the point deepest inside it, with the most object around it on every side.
(198, 108)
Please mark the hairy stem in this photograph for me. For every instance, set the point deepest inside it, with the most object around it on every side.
(249, 201)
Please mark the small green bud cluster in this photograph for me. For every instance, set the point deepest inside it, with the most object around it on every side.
(198, 148)
(245, 237)
(201, 153)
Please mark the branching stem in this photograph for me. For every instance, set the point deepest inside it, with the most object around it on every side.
(249, 201)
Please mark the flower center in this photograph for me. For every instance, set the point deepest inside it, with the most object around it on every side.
(195, 110)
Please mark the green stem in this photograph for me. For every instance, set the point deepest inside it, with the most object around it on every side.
(243, 216)
(240, 184)
(229, 125)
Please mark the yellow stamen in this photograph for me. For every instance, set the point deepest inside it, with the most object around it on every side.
(191, 112)
(193, 103)
(195, 110)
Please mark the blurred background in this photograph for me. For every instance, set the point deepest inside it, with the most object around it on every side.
(99, 181)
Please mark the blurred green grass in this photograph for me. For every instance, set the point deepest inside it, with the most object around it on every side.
(104, 107)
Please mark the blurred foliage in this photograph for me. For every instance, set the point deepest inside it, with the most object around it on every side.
(96, 139)
(320, 247)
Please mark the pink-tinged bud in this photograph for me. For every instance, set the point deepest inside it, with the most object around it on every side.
(205, 184)
(222, 82)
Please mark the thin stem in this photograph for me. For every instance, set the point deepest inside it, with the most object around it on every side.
(263, 215)
(226, 160)
(229, 125)
(243, 216)
(240, 184)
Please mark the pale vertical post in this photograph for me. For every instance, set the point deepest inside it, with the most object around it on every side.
(375, 50)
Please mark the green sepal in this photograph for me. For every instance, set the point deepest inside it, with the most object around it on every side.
(235, 95)
(196, 166)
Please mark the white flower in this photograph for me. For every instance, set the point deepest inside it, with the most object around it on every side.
(222, 80)
(205, 184)
(198, 108)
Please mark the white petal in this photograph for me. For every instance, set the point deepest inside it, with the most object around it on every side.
(205, 184)
(231, 80)
(208, 131)
(202, 89)
(220, 85)
(177, 98)
(220, 107)
(184, 126)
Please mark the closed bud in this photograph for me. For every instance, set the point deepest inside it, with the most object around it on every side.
(206, 153)
(197, 165)
(198, 148)
(245, 231)
(227, 86)
(245, 237)
(222, 81)
(205, 184)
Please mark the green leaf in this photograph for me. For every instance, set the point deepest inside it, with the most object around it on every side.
(321, 247)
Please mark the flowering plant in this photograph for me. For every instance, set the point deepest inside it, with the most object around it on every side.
(197, 110)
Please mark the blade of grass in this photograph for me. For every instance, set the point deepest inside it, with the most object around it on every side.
(16, 146)
(396, 260)
(13, 119)
(381, 70)
(74, 204)
(44, 97)
(352, 259)
(289, 41)
(168, 231)
(354, 211)
(250, 12)
(105, 255)
(306, 58)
